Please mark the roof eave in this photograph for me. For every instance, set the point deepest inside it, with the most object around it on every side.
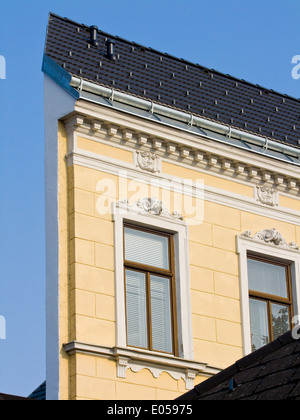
(59, 75)
(152, 107)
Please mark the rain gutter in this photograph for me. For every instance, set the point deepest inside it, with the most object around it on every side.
(154, 108)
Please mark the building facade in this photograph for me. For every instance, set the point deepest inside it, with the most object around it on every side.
(172, 218)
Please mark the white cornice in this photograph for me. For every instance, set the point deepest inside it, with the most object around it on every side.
(188, 150)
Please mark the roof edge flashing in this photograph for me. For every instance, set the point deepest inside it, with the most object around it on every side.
(59, 75)
(182, 116)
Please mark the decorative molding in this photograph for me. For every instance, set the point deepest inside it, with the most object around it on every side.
(148, 205)
(122, 366)
(267, 195)
(190, 377)
(137, 360)
(212, 194)
(157, 370)
(148, 161)
(204, 154)
(271, 236)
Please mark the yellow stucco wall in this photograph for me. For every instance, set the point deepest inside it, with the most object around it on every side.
(87, 291)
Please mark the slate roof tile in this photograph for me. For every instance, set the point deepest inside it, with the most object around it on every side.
(173, 82)
(270, 373)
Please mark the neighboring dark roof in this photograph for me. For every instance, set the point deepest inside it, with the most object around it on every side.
(39, 393)
(270, 373)
(7, 397)
(173, 82)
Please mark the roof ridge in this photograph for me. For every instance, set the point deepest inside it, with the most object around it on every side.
(227, 76)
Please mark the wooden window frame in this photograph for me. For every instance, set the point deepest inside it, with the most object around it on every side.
(149, 271)
(273, 299)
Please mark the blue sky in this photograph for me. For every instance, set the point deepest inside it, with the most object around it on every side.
(252, 40)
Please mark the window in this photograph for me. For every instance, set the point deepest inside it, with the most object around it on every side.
(150, 289)
(271, 306)
(269, 286)
(156, 257)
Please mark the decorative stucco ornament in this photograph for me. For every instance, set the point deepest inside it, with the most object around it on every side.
(148, 161)
(151, 206)
(271, 236)
(267, 195)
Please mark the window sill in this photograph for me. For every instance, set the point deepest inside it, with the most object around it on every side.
(137, 360)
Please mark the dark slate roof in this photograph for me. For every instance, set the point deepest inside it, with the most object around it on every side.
(271, 373)
(173, 82)
(39, 393)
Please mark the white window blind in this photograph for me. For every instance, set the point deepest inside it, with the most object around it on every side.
(267, 278)
(136, 309)
(259, 324)
(146, 248)
(161, 314)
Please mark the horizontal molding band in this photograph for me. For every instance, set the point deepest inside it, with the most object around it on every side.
(140, 356)
(221, 160)
(206, 193)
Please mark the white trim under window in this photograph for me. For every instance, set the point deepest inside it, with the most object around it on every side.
(152, 214)
(269, 244)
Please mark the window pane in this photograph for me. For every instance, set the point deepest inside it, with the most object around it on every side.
(267, 278)
(146, 248)
(280, 320)
(136, 309)
(259, 324)
(161, 314)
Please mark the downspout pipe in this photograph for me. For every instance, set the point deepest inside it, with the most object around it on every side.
(182, 116)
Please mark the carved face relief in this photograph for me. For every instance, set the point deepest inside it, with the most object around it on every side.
(148, 161)
(267, 195)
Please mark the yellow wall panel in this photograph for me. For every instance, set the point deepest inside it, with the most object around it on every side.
(229, 333)
(224, 238)
(94, 279)
(86, 365)
(105, 307)
(213, 258)
(216, 354)
(85, 303)
(204, 328)
(82, 251)
(289, 203)
(227, 285)
(201, 234)
(222, 216)
(126, 391)
(214, 306)
(93, 229)
(104, 150)
(95, 331)
(202, 279)
(104, 257)
(211, 180)
(95, 388)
